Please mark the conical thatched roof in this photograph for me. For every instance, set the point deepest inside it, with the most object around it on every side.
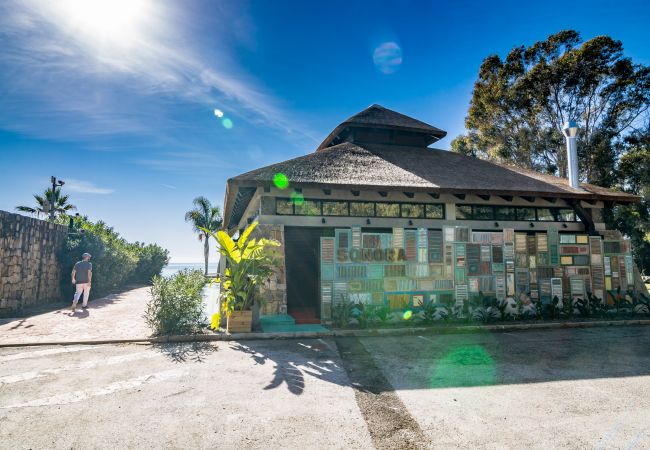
(378, 117)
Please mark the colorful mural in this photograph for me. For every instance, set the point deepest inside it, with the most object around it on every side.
(407, 268)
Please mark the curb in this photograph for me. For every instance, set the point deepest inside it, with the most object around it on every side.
(461, 329)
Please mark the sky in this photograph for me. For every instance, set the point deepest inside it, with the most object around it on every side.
(142, 105)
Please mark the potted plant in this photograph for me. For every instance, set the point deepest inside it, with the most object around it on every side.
(249, 264)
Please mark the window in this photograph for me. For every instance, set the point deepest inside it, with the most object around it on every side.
(547, 214)
(567, 215)
(435, 211)
(387, 209)
(527, 214)
(463, 212)
(332, 208)
(412, 210)
(308, 208)
(362, 209)
(505, 213)
(483, 213)
(283, 206)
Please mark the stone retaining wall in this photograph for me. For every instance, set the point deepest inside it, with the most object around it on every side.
(29, 267)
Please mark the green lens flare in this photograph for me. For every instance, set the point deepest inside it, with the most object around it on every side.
(465, 365)
(280, 181)
(227, 123)
(407, 315)
(297, 198)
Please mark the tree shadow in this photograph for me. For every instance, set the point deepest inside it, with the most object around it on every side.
(296, 360)
(501, 358)
(182, 352)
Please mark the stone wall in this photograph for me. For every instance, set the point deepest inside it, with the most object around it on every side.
(29, 267)
(274, 290)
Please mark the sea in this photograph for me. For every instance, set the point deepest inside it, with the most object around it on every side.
(173, 268)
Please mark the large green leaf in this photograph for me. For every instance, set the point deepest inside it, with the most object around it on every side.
(244, 236)
(227, 244)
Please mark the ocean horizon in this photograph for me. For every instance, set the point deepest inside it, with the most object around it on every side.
(173, 268)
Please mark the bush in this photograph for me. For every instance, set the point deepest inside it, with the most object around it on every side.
(176, 304)
(116, 262)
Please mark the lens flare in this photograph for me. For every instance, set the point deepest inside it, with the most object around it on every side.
(218, 113)
(387, 57)
(227, 123)
(280, 180)
(297, 198)
(465, 365)
(407, 315)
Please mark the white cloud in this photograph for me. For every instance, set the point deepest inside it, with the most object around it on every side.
(63, 65)
(85, 187)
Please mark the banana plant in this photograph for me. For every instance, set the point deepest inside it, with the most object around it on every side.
(249, 264)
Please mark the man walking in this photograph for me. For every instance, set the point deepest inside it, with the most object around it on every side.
(82, 276)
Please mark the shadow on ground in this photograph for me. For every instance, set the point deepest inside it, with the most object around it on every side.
(498, 358)
(182, 352)
(296, 360)
(61, 307)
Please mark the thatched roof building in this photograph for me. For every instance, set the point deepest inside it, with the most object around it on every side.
(388, 151)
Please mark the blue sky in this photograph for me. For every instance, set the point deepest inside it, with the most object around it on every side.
(117, 97)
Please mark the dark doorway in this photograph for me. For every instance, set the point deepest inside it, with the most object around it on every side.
(302, 252)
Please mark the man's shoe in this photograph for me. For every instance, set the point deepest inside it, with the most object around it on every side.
(84, 307)
(72, 308)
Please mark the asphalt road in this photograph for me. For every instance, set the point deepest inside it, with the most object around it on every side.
(539, 389)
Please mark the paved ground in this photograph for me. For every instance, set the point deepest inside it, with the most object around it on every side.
(576, 388)
(282, 394)
(118, 316)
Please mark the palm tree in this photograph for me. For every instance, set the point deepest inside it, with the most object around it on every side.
(205, 219)
(57, 202)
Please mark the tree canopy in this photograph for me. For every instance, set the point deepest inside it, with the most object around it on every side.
(519, 106)
(520, 103)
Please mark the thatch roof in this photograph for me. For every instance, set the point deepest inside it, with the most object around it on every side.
(410, 169)
(378, 117)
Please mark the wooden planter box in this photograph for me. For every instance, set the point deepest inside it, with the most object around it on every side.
(240, 322)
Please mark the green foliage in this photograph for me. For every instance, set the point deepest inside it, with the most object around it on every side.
(55, 198)
(249, 264)
(520, 103)
(176, 304)
(116, 262)
(342, 312)
(205, 219)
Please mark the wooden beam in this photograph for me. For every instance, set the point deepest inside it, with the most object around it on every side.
(585, 217)
(434, 195)
(409, 194)
(383, 193)
(507, 198)
(550, 199)
(355, 193)
(528, 198)
(460, 196)
(485, 197)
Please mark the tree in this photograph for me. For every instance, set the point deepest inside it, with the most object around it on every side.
(520, 104)
(634, 176)
(52, 198)
(205, 219)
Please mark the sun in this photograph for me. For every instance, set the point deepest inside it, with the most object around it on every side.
(116, 21)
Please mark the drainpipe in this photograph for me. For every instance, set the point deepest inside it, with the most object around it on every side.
(570, 132)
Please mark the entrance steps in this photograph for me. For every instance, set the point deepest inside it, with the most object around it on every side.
(284, 323)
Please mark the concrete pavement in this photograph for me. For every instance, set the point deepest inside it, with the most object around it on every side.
(574, 388)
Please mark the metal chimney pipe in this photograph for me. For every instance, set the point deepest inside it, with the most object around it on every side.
(570, 130)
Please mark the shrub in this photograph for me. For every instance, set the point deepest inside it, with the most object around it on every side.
(115, 261)
(176, 304)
